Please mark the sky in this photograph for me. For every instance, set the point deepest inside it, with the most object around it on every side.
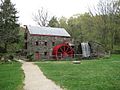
(58, 8)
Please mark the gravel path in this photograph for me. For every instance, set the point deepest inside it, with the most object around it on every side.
(35, 80)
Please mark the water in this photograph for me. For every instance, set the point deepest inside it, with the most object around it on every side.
(85, 49)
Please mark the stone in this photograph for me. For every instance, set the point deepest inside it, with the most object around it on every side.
(76, 62)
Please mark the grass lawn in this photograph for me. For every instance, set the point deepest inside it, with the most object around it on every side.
(102, 74)
(11, 76)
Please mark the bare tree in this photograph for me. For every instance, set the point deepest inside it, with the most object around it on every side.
(108, 12)
(41, 17)
(2, 1)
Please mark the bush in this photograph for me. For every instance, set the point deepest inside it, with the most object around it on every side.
(11, 57)
(1, 55)
(2, 50)
(6, 57)
(30, 57)
(116, 52)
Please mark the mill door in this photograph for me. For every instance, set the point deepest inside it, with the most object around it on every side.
(37, 56)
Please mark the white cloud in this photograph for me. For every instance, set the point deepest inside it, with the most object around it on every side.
(56, 7)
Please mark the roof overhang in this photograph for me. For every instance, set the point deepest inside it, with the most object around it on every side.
(49, 35)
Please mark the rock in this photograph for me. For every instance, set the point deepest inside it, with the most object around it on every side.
(76, 62)
(2, 59)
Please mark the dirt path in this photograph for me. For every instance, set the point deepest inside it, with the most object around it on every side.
(35, 80)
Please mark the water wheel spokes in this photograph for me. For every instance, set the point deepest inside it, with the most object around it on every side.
(63, 50)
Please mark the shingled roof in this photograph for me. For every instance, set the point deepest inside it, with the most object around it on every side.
(48, 31)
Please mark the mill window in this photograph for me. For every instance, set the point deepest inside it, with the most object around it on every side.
(36, 43)
(45, 43)
(25, 36)
(45, 53)
(26, 45)
(53, 43)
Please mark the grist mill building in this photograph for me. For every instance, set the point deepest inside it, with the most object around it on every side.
(47, 42)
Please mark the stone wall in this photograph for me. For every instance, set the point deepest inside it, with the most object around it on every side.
(43, 44)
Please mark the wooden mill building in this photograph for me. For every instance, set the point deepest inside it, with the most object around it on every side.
(47, 42)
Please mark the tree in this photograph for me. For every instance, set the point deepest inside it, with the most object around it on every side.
(63, 22)
(41, 17)
(53, 22)
(106, 21)
(81, 27)
(1, 1)
(73, 27)
(8, 27)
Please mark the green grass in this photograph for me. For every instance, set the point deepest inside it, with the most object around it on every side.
(11, 76)
(102, 74)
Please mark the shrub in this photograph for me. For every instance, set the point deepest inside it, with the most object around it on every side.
(11, 57)
(1, 55)
(2, 50)
(30, 57)
(116, 52)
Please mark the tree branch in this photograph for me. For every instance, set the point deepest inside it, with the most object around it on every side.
(41, 18)
(2, 1)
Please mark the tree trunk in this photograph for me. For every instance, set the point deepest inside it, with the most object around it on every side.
(112, 43)
(6, 47)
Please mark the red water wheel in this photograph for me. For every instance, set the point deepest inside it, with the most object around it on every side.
(62, 51)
